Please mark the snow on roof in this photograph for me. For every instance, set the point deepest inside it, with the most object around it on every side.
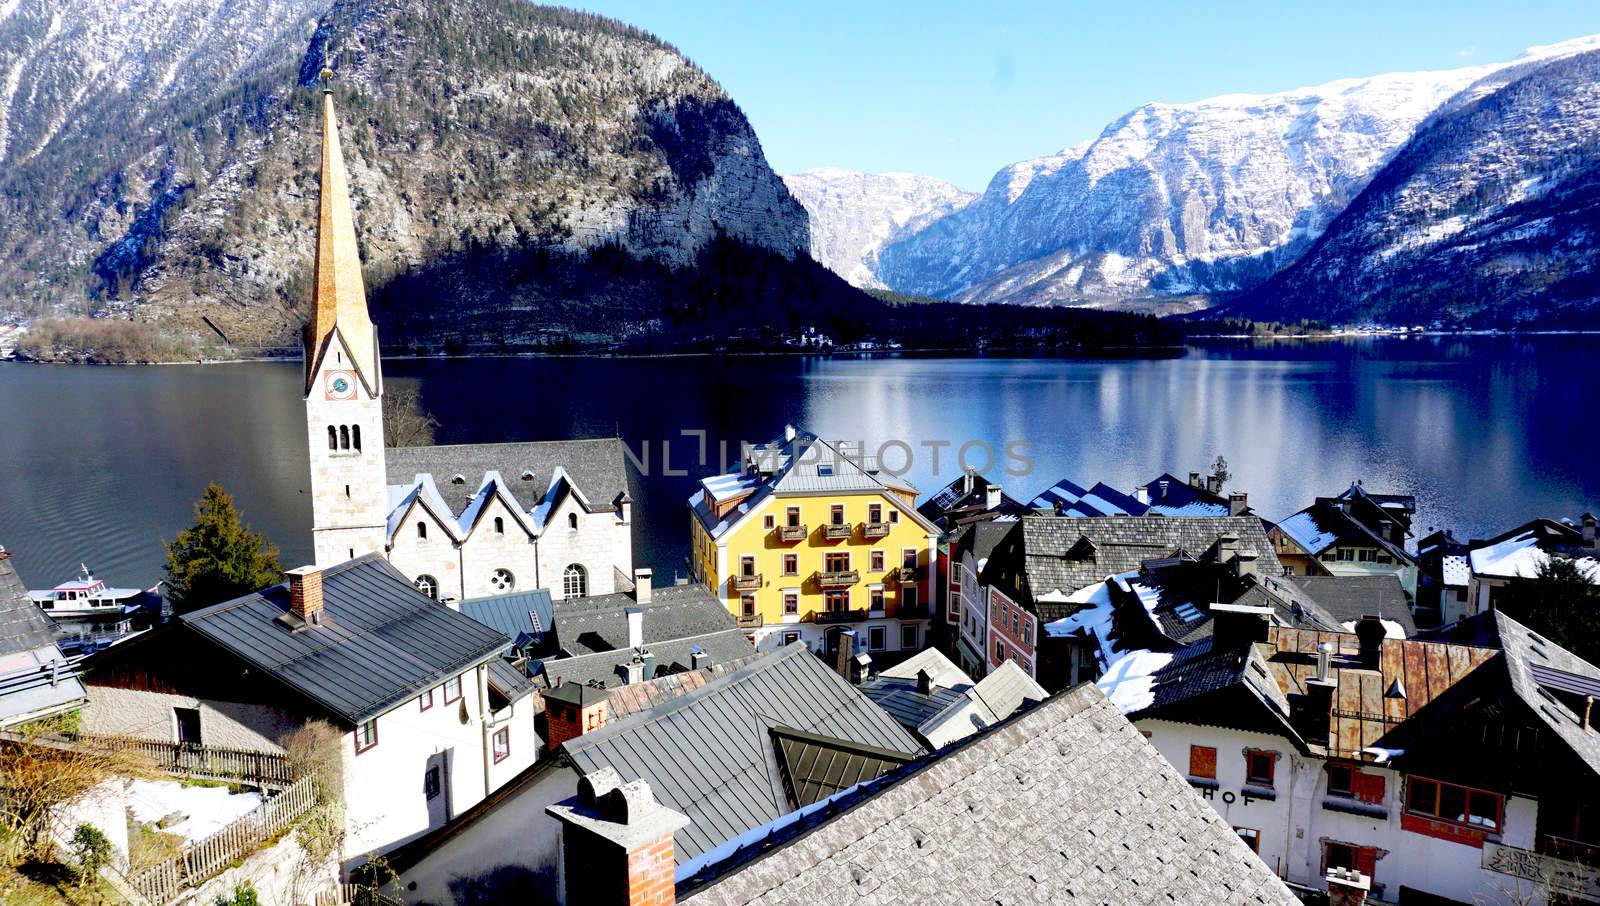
(1305, 531)
(1192, 508)
(1129, 676)
(1521, 556)
(1456, 570)
(730, 485)
(1391, 629)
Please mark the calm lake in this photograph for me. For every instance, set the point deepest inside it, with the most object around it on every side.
(100, 464)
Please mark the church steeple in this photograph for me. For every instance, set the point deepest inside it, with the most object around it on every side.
(341, 296)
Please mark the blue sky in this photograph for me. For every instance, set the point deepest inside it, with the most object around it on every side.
(958, 90)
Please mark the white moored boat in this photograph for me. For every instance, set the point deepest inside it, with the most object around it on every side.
(87, 596)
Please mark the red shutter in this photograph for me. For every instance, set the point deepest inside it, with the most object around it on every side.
(1367, 787)
(1203, 762)
(1367, 857)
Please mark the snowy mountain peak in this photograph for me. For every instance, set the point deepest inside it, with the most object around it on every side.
(854, 213)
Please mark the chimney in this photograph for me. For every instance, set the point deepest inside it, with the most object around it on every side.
(991, 497)
(1238, 502)
(1227, 546)
(1589, 539)
(1370, 634)
(1213, 484)
(967, 481)
(1324, 658)
(698, 658)
(1244, 563)
(1314, 710)
(573, 709)
(1142, 494)
(1347, 887)
(616, 843)
(632, 672)
(635, 627)
(924, 683)
(789, 433)
(1194, 480)
(641, 587)
(1164, 485)
(847, 652)
(1239, 624)
(305, 593)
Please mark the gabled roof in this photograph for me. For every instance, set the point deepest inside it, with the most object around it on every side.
(23, 627)
(660, 659)
(711, 755)
(816, 767)
(380, 642)
(600, 623)
(33, 679)
(1327, 523)
(524, 616)
(1002, 817)
(996, 697)
(1172, 496)
(528, 470)
(965, 500)
(1551, 681)
(898, 695)
(1349, 598)
(1067, 499)
(1523, 550)
(803, 465)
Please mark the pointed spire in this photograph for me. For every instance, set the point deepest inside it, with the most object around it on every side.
(341, 296)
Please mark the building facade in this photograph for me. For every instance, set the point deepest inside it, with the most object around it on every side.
(806, 540)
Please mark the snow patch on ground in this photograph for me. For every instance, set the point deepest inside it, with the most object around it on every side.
(206, 809)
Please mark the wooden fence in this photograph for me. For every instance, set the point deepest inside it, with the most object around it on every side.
(206, 762)
(160, 882)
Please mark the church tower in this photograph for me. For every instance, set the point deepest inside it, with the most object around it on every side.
(344, 379)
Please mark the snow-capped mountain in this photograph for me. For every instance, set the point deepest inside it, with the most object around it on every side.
(1489, 215)
(853, 214)
(1176, 199)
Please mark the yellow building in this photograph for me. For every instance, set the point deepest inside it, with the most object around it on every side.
(807, 539)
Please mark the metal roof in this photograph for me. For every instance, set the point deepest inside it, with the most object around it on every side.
(22, 626)
(1002, 817)
(710, 753)
(816, 767)
(380, 642)
(600, 623)
(523, 613)
(662, 658)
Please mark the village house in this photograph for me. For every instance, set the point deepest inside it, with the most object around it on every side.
(432, 719)
(936, 702)
(35, 681)
(971, 552)
(1163, 496)
(1033, 573)
(460, 521)
(956, 509)
(1443, 575)
(776, 734)
(1442, 772)
(1063, 802)
(1520, 553)
(1353, 534)
(806, 538)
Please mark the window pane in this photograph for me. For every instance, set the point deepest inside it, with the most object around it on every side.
(1452, 803)
(1421, 796)
(1484, 809)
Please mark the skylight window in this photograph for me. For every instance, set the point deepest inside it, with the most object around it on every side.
(825, 470)
(1187, 612)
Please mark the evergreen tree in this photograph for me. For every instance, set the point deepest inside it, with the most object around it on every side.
(1561, 603)
(219, 558)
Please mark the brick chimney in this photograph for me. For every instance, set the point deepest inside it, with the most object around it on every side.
(1347, 887)
(573, 709)
(641, 587)
(1238, 502)
(305, 593)
(616, 843)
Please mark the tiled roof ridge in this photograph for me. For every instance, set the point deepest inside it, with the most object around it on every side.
(514, 443)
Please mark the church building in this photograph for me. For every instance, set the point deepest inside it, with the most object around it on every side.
(462, 521)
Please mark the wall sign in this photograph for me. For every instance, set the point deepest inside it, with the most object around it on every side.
(1559, 875)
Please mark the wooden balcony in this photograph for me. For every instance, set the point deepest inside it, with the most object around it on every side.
(747, 583)
(792, 533)
(853, 615)
(905, 574)
(750, 621)
(874, 529)
(834, 532)
(838, 578)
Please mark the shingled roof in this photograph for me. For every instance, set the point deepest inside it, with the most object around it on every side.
(712, 753)
(22, 626)
(32, 681)
(597, 466)
(1002, 818)
(380, 641)
(1047, 558)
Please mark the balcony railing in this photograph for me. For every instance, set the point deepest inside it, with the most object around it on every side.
(853, 615)
(834, 532)
(874, 529)
(750, 621)
(792, 532)
(842, 578)
(906, 574)
(747, 583)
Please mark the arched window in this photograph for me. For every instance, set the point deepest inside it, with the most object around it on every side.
(355, 436)
(572, 521)
(428, 585)
(502, 580)
(344, 437)
(575, 581)
(499, 526)
(333, 438)
(422, 531)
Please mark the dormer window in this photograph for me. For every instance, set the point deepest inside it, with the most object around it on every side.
(458, 478)
(572, 521)
(527, 475)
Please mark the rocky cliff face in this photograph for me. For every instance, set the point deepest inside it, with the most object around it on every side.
(854, 214)
(1177, 199)
(1490, 215)
(167, 173)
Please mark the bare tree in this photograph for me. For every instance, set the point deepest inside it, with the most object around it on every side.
(42, 769)
(405, 422)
